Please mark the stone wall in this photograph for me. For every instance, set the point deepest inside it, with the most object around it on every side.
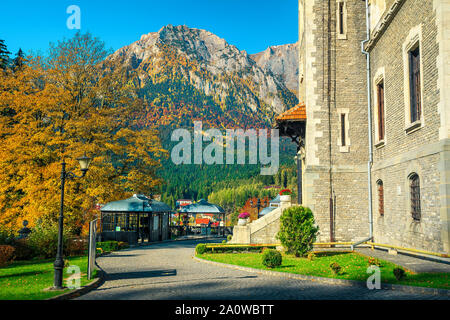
(263, 230)
(404, 150)
(334, 83)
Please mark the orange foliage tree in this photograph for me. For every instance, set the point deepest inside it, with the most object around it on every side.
(76, 101)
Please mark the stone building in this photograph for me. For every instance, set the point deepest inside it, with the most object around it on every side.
(406, 158)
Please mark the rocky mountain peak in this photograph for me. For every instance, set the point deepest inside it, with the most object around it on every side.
(281, 61)
(223, 70)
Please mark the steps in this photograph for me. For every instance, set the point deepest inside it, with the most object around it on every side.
(262, 230)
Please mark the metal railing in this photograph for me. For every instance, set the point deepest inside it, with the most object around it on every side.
(219, 231)
(92, 247)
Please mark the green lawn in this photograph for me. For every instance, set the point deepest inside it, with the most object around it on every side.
(25, 280)
(354, 267)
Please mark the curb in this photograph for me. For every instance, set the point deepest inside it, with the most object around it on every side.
(350, 283)
(83, 290)
(174, 240)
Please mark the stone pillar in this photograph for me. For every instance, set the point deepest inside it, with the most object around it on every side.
(444, 191)
(241, 234)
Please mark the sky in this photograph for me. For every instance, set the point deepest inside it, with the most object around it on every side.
(251, 25)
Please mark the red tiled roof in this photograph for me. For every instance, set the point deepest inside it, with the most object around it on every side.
(296, 113)
(202, 221)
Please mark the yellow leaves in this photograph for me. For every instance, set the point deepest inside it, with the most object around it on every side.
(64, 112)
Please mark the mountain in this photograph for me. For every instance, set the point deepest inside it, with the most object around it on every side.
(186, 74)
(203, 73)
(282, 62)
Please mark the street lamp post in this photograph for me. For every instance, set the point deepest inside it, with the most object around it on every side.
(59, 262)
(258, 205)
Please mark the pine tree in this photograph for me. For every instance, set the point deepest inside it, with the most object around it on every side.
(19, 60)
(4, 55)
(285, 179)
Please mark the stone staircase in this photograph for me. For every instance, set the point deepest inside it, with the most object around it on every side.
(262, 230)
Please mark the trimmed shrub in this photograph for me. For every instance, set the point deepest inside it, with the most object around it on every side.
(335, 267)
(271, 258)
(311, 256)
(237, 248)
(44, 240)
(123, 245)
(226, 248)
(6, 255)
(399, 273)
(108, 246)
(6, 237)
(229, 237)
(23, 250)
(297, 230)
(76, 247)
(200, 248)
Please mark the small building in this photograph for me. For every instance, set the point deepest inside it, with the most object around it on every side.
(183, 202)
(273, 204)
(213, 214)
(135, 220)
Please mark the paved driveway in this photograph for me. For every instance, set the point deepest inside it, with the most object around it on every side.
(167, 271)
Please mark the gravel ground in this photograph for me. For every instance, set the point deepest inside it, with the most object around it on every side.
(166, 271)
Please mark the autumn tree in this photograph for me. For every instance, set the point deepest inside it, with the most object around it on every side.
(77, 101)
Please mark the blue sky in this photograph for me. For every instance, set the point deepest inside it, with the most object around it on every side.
(251, 25)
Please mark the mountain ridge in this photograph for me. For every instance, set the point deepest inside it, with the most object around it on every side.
(211, 65)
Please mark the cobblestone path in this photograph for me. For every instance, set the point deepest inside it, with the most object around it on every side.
(167, 271)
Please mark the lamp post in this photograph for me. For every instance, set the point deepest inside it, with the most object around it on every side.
(298, 159)
(258, 204)
(59, 262)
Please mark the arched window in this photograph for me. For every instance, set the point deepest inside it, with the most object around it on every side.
(414, 186)
(380, 197)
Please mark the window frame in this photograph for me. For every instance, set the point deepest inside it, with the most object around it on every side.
(341, 19)
(343, 129)
(415, 197)
(415, 94)
(378, 79)
(380, 191)
(413, 42)
(343, 140)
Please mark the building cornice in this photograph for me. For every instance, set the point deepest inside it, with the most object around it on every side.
(383, 24)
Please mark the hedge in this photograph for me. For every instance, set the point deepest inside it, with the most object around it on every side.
(227, 248)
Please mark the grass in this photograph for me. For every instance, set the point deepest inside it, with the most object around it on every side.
(26, 280)
(354, 267)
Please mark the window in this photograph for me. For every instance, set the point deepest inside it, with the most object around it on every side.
(380, 197)
(380, 100)
(341, 19)
(414, 185)
(415, 85)
(413, 80)
(343, 129)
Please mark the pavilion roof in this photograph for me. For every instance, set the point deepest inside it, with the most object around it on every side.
(202, 206)
(137, 203)
(297, 113)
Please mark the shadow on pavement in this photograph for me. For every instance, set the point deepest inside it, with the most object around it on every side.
(217, 289)
(141, 274)
(176, 244)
